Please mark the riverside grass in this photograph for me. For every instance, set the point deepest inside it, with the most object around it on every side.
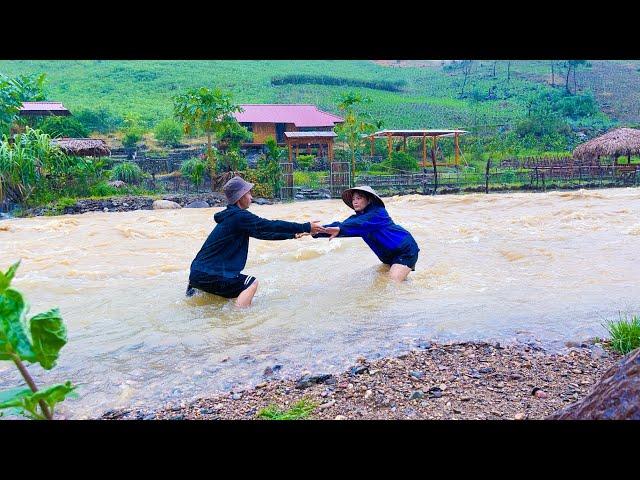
(298, 411)
(625, 334)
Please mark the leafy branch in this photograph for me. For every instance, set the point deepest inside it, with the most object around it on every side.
(35, 340)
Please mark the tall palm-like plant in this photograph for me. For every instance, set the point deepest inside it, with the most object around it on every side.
(206, 110)
(354, 126)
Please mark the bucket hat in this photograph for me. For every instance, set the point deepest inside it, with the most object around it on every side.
(347, 195)
(235, 188)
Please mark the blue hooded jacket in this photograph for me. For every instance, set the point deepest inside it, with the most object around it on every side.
(224, 253)
(374, 225)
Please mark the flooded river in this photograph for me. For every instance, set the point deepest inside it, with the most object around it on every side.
(552, 266)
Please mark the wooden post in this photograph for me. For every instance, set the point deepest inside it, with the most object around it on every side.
(373, 146)
(290, 152)
(389, 143)
(297, 150)
(486, 187)
(404, 143)
(433, 150)
(330, 145)
(457, 149)
(424, 152)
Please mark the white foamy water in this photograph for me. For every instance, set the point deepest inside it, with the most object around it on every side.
(555, 265)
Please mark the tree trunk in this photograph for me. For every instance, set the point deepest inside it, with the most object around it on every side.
(553, 73)
(575, 87)
(494, 68)
(566, 85)
(508, 71)
(212, 161)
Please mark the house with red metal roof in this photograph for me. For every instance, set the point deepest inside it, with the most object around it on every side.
(273, 120)
(43, 109)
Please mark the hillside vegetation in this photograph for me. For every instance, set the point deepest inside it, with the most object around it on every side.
(417, 94)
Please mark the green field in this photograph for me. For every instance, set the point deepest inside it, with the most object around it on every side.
(430, 96)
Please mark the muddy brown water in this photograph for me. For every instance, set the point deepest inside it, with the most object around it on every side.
(501, 267)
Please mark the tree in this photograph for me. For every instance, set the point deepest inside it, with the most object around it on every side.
(354, 126)
(15, 91)
(466, 66)
(206, 110)
(572, 65)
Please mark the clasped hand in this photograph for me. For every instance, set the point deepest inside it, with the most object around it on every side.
(316, 228)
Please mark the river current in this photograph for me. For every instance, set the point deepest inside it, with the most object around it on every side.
(553, 266)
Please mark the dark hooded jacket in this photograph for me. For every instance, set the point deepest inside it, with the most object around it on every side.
(377, 229)
(224, 253)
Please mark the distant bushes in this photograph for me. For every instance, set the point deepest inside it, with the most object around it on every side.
(168, 132)
(195, 170)
(390, 86)
(63, 127)
(99, 120)
(127, 172)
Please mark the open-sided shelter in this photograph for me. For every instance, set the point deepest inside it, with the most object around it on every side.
(616, 143)
(433, 134)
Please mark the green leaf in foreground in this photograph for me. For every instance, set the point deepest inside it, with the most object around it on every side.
(298, 411)
(13, 337)
(24, 401)
(49, 335)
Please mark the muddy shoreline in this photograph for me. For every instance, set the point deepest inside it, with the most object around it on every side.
(217, 199)
(453, 381)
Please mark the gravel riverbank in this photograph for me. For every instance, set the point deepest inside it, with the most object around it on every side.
(470, 380)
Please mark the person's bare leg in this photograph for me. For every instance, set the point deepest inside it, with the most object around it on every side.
(399, 272)
(245, 298)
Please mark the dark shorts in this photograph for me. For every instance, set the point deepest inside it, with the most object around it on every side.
(408, 256)
(221, 286)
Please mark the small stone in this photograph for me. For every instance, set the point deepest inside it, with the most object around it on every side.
(435, 392)
(236, 396)
(486, 370)
(416, 394)
(417, 374)
(327, 405)
(541, 394)
(261, 385)
(149, 417)
(358, 370)
(424, 345)
(500, 385)
(340, 417)
(373, 372)
(515, 376)
(368, 394)
(465, 399)
(519, 416)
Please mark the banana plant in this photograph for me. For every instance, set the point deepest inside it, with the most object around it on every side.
(34, 340)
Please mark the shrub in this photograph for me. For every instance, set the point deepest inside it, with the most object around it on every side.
(64, 127)
(127, 172)
(168, 132)
(305, 162)
(194, 169)
(625, 334)
(99, 120)
(130, 138)
(402, 161)
(102, 189)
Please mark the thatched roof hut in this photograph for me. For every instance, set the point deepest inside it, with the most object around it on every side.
(83, 147)
(616, 143)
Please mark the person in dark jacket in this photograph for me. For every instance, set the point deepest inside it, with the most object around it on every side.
(217, 266)
(391, 243)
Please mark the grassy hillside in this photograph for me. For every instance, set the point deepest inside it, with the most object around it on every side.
(430, 96)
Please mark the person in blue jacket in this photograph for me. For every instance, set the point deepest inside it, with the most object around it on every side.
(391, 243)
(217, 266)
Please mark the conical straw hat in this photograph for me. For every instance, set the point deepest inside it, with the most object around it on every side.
(347, 195)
